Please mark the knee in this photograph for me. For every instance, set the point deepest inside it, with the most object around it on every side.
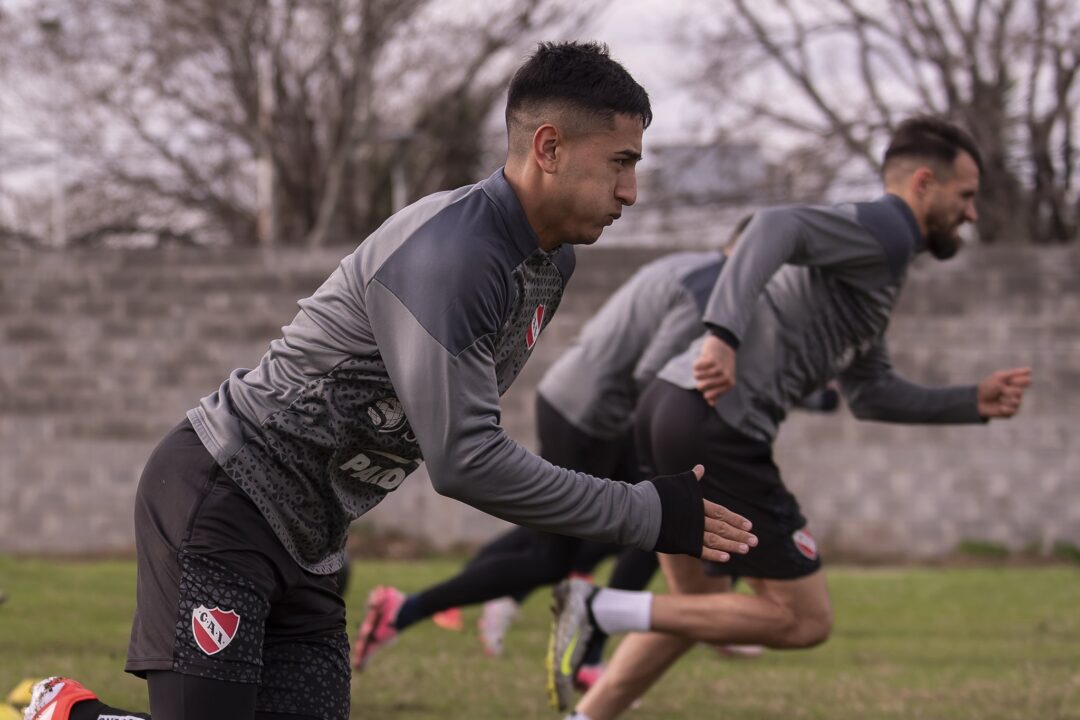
(813, 630)
(795, 631)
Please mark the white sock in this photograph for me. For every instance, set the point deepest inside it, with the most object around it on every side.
(620, 611)
(578, 715)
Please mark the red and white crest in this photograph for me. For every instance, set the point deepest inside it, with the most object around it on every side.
(213, 628)
(535, 327)
(805, 543)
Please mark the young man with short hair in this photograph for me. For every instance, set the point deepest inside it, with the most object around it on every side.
(400, 357)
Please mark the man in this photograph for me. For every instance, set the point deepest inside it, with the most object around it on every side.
(806, 296)
(584, 406)
(242, 510)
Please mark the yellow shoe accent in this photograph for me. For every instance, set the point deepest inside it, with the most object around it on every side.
(20, 694)
(566, 667)
(549, 664)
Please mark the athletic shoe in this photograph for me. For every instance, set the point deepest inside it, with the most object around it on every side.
(740, 652)
(53, 697)
(449, 619)
(587, 676)
(571, 629)
(495, 619)
(377, 630)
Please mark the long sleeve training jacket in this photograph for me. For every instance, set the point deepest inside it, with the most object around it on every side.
(806, 297)
(400, 356)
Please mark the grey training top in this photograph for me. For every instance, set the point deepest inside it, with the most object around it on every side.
(402, 355)
(806, 297)
(647, 321)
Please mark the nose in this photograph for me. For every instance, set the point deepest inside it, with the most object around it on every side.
(626, 188)
(970, 213)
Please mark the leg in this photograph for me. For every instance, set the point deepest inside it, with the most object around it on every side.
(781, 614)
(638, 662)
(547, 561)
(186, 697)
(642, 658)
(633, 571)
(515, 540)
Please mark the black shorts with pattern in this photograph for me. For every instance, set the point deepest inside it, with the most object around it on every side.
(219, 597)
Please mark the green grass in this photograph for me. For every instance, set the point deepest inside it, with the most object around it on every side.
(965, 643)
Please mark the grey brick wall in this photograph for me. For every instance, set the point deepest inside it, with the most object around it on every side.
(103, 351)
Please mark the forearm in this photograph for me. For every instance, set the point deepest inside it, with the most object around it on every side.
(891, 398)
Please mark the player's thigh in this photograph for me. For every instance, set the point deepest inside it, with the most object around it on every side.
(305, 655)
(686, 575)
(305, 678)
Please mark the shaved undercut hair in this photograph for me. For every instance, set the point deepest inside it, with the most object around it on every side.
(926, 139)
(575, 86)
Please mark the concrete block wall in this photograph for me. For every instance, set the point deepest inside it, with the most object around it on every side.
(102, 351)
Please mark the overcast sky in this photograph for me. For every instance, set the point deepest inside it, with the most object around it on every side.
(643, 36)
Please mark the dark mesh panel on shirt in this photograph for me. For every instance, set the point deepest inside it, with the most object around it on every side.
(327, 459)
(539, 286)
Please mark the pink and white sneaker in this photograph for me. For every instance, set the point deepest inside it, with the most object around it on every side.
(377, 630)
(52, 699)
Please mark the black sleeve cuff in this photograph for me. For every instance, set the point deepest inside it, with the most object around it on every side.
(682, 516)
(724, 334)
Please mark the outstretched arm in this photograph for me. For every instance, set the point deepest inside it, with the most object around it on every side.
(450, 396)
(875, 392)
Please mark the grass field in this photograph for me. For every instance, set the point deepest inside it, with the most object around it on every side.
(973, 643)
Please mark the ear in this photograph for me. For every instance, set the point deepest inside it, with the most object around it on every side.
(922, 180)
(545, 142)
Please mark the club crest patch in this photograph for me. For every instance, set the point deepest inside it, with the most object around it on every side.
(537, 324)
(805, 543)
(213, 628)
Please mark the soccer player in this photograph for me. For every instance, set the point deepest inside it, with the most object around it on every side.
(805, 297)
(401, 355)
(584, 407)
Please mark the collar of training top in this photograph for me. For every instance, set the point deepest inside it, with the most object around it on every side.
(506, 200)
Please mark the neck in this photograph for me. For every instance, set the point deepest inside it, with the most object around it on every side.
(908, 197)
(526, 180)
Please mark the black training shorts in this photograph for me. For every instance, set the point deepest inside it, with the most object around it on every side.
(219, 597)
(676, 429)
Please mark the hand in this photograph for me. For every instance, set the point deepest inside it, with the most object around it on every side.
(714, 369)
(1001, 393)
(725, 532)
